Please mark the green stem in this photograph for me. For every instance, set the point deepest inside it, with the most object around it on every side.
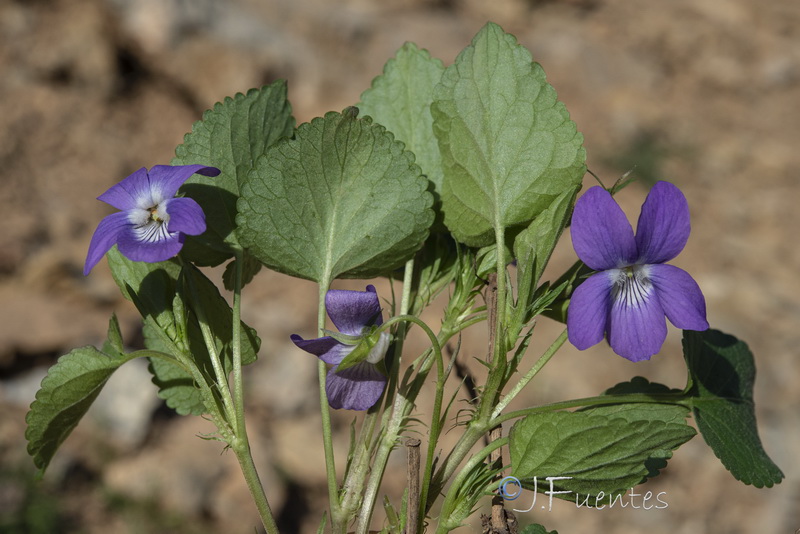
(451, 500)
(498, 355)
(241, 448)
(236, 345)
(551, 350)
(216, 363)
(460, 451)
(389, 438)
(338, 522)
(436, 429)
(356, 476)
(241, 444)
(210, 399)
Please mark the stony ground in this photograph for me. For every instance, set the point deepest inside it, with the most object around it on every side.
(704, 93)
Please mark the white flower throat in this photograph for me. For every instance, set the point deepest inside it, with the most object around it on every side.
(150, 224)
(378, 352)
(631, 285)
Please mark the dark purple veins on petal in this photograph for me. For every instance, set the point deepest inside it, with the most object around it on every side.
(637, 327)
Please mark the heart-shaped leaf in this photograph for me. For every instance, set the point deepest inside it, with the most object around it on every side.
(230, 137)
(342, 198)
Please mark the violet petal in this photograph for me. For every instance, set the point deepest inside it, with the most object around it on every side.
(185, 215)
(680, 297)
(133, 247)
(351, 311)
(356, 388)
(601, 234)
(587, 317)
(132, 192)
(664, 226)
(325, 348)
(104, 237)
(165, 180)
(637, 327)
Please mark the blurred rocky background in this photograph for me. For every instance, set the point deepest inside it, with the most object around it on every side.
(704, 93)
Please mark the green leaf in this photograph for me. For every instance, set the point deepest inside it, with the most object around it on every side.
(231, 136)
(113, 344)
(537, 529)
(435, 266)
(642, 411)
(535, 244)
(341, 199)
(175, 385)
(150, 286)
(199, 295)
(168, 297)
(204, 298)
(66, 394)
(400, 99)
(722, 373)
(509, 148)
(250, 268)
(486, 260)
(601, 453)
(571, 279)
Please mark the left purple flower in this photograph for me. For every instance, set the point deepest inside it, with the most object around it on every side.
(356, 314)
(152, 223)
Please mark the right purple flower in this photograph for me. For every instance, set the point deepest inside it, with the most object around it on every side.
(634, 289)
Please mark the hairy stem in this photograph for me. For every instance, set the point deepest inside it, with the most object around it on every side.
(551, 350)
(241, 444)
(339, 522)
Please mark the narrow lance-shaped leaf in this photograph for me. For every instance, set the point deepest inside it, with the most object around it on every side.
(230, 137)
(508, 146)
(533, 247)
(721, 375)
(341, 199)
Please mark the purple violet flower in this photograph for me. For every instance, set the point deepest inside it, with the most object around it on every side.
(355, 314)
(634, 289)
(153, 223)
